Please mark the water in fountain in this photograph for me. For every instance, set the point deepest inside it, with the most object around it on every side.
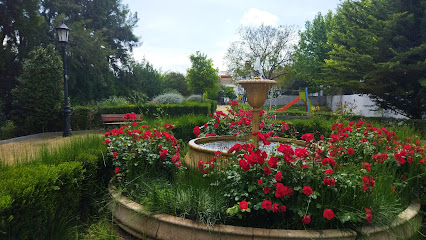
(224, 146)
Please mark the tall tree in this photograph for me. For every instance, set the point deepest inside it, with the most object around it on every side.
(312, 50)
(39, 96)
(141, 77)
(379, 48)
(202, 76)
(263, 50)
(21, 29)
(176, 80)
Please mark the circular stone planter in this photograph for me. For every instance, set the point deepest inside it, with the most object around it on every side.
(132, 217)
(197, 152)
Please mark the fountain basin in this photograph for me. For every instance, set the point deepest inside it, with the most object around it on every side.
(199, 152)
(134, 219)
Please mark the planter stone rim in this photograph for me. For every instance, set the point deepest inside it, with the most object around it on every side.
(409, 213)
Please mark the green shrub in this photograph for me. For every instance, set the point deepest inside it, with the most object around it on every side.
(194, 98)
(168, 98)
(51, 196)
(113, 101)
(41, 196)
(7, 130)
(315, 125)
(89, 117)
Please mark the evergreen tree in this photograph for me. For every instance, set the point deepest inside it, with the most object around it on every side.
(39, 96)
(379, 48)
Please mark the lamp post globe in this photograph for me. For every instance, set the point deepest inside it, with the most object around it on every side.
(63, 34)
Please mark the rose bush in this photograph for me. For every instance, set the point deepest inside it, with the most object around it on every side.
(354, 176)
(135, 148)
(238, 123)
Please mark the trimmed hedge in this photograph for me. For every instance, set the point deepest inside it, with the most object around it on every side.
(45, 199)
(39, 198)
(86, 117)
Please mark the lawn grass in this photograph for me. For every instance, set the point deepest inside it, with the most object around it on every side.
(27, 150)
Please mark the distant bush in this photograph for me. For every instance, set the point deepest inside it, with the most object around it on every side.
(136, 97)
(7, 130)
(169, 98)
(194, 98)
(113, 101)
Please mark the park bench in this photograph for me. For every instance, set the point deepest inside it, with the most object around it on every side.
(118, 119)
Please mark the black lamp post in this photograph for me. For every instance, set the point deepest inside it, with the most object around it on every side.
(63, 34)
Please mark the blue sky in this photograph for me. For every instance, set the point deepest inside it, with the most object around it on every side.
(170, 31)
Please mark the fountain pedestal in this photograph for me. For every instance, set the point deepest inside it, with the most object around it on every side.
(256, 93)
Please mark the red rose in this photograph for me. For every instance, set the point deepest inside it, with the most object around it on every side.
(243, 204)
(282, 208)
(244, 165)
(329, 181)
(351, 151)
(275, 207)
(114, 155)
(266, 170)
(117, 169)
(307, 190)
(306, 219)
(266, 204)
(328, 214)
(308, 137)
(305, 166)
(260, 182)
(368, 217)
(266, 190)
(329, 171)
(279, 176)
(197, 131)
(163, 153)
(366, 166)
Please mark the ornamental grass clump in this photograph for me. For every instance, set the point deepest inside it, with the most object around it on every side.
(359, 175)
(136, 149)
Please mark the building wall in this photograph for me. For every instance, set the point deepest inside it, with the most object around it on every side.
(359, 104)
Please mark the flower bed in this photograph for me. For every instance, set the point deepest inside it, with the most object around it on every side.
(133, 218)
(358, 176)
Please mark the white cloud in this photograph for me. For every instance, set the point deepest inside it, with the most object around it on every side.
(228, 21)
(255, 16)
(167, 59)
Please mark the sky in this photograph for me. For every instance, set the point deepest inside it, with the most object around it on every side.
(171, 30)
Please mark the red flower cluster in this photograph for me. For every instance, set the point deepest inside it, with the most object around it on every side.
(368, 216)
(367, 183)
(130, 116)
(328, 181)
(233, 103)
(308, 137)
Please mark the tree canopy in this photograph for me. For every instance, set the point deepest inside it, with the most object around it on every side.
(176, 81)
(311, 51)
(202, 76)
(101, 38)
(39, 95)
(379, 48)
(263, 50)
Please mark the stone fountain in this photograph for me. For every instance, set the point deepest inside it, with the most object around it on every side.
(256, 92)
